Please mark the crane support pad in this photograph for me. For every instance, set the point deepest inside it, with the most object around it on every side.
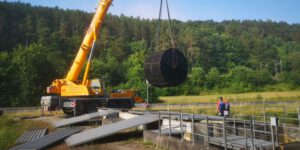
(103, 131)
(48, 140)
(32, 135)
(82, 118)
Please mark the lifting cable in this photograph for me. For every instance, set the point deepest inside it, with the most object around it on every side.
(157, 34)
(174, 58)
(170, 26)
(158, 30)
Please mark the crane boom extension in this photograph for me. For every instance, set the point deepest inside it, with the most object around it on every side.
(70, 86)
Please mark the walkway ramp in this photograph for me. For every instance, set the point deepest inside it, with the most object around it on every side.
(32, 135)
(82, 118)
(103, 131)
(47, 140)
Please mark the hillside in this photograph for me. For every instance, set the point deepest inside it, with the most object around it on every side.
(38, 44)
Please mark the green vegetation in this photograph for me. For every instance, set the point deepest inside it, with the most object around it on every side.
(11, 129)
(37, 44)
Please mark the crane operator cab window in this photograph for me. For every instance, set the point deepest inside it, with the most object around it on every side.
(97, 86)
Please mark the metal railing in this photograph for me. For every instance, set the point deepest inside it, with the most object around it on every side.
(237, 132)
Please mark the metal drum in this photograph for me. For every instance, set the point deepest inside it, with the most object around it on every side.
(166, 68)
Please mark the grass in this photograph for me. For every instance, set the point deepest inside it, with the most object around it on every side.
(34, 113)
(270, 109)
(11, 129)
(244, 97)
(243, 109)
(150, 144)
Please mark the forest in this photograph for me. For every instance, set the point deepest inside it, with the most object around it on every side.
(38, 45)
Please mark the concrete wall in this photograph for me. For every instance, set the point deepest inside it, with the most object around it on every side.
(291, 134)
(171, 143)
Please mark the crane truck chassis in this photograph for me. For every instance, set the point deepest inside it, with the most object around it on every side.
(121, 99)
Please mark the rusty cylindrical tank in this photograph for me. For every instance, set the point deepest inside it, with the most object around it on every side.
(166, 68)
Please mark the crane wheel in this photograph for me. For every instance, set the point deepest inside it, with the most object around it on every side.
(68, 111)
(79, 110)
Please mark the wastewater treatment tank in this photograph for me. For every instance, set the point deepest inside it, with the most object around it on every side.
(166, 68)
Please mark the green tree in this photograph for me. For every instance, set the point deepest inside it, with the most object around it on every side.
(9, 81)
(213, 79)
(36, 68)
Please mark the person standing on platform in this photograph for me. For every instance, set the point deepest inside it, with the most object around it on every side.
(220, 107)
(227, 107)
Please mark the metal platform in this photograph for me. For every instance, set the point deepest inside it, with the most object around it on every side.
(47, 140)
(31, 135)
(110, 129)
(82, 118)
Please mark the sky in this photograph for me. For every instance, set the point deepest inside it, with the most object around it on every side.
(184, 10)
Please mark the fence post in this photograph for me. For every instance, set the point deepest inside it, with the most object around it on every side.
(159, 123)
(272, 136)
(207, 131)
(252, 138)
(234, 126)
(264, 113)
(299, 115)
(245, 130)
(253, 126)
(276, 132)
(170, 124)
(224, 133)
(75, 108)
(284, 114)
(181, 127)
(192, 128)
(42, 109)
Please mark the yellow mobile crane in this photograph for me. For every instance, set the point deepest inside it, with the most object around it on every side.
(73, 95)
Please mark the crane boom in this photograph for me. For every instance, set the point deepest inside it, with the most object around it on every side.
(70, 85)
(87, 43)
(78, 97)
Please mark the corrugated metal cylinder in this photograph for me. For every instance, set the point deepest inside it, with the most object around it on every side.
(166, 68)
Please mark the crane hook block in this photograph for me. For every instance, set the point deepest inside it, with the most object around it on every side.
(166, 68)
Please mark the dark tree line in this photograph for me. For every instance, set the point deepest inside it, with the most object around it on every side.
(38, 44)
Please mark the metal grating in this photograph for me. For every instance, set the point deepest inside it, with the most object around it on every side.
(110, 129)
(82, 118)
(31, 135)
(48, 140)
